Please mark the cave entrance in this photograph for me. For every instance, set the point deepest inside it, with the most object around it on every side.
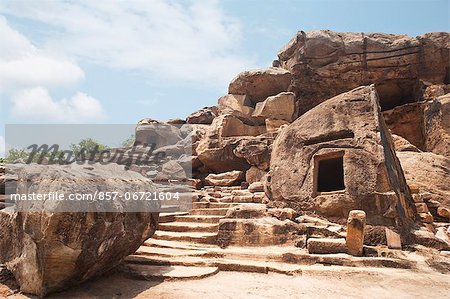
(329, 173)
(395, 93)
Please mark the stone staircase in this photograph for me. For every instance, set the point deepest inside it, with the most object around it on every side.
(201, 224)
(185, 245)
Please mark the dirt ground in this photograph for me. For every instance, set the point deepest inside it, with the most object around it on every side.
(332, 282)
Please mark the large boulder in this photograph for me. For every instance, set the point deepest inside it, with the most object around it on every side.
(216, 149)
(326, 63)
(240, 103)
(429, 172)
(437, 125)
(225, 179)
(204, 116)
(260, 84)
(62, 243)
(156, 134)
(280, 106)
(339, 157)
(256, 151)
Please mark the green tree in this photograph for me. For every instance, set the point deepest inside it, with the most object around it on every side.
(87, 145)
(15, 155)
(128, 142)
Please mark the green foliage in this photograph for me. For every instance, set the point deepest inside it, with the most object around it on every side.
(128, 142)
(2, 160)
(16, 154)
(87, 145)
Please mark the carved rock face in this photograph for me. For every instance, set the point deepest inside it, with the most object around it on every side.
(339, 157)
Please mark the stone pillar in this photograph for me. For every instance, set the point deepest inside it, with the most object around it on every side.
(355, 232)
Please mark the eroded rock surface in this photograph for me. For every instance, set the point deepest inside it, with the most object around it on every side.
(48, 251)
(326, 63)
(339, 157)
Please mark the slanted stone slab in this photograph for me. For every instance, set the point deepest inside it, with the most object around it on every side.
(393, 239)
(323, 246)
(355, 232)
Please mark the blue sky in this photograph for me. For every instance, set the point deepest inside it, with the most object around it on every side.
(118, 62)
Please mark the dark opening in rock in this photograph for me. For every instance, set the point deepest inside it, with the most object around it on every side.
(330, 175)
(447, 76)
(396, 93)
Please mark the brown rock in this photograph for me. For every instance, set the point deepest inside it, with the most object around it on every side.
(426, 217)
(216, 152)
(149, 132)
(254, 174)
(205, 115)
(421, 208)
(437, 125)
(283, 214)
(267, 231)
(355, 232)
(280, 106)
(375, 235)
(49, 251)
(235, 102)
(260, 84)
(407, 121)
(247, 211)
(403, 145)
(256, 151)
(231, 126)
(393, 239)
(256, 187)
(324, 246)
(231, 178)
(274, 125)
(444, 212)
(326, 63)
(339, 157)
(429, 172)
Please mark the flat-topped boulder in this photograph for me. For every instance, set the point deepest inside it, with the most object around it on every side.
(260, 84)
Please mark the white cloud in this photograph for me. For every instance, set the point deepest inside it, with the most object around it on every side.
(195, 41)
(24, 65)
(36, 103)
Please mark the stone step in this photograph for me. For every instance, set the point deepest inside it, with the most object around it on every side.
(205, 205)
(197, 237)
(236, 263)
(170, 217)
(210, 211)
(168, 252)
(199, 218)
(177, 245)
(188, 227)
(169, 272)
(169, 209)
(221, 264)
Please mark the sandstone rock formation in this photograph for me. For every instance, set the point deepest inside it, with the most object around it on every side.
(339, 157)
(429, 172)
(260, 84)
(324, 63)
(280, 106)
(48, 251)
(225, 179)
(204, 116)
